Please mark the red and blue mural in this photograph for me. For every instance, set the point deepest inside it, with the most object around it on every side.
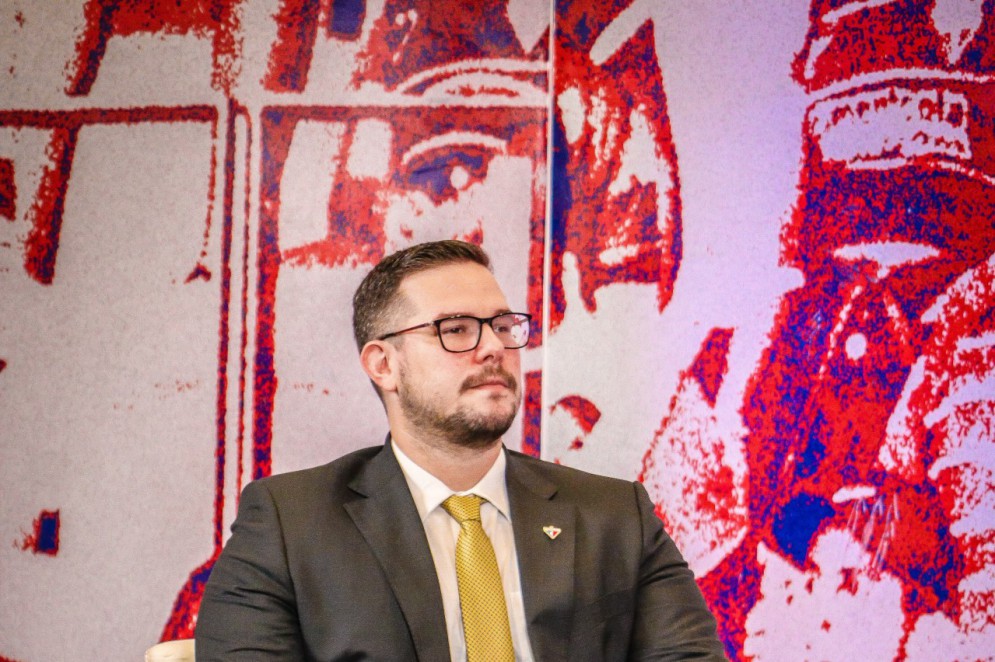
(756, 242)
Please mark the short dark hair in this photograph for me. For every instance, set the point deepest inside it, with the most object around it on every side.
(377, 301)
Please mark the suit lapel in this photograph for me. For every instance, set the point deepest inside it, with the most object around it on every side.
(388, 520)
(546, 564)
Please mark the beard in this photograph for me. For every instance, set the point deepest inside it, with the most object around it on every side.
(465, 426)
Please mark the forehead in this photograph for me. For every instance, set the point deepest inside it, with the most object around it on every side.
(453, 289)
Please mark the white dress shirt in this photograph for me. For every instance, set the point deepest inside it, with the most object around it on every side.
(442, 530)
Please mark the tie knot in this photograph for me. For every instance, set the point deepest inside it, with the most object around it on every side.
(463, 508)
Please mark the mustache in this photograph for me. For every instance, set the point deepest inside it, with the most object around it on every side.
(487, 376)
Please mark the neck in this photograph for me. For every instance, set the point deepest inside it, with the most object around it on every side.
(459, 467)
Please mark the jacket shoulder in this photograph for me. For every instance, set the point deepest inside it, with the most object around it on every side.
(335, 474)
(568, 481)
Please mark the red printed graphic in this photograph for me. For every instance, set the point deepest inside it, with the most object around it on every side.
(420, 45)
(299, 24)
(43, 210)
(46, 211)
(845, 484)
(8, 190)
(686, 469)
(532, 413)
(615, 236)
(417, 187)
(870, 415)
(454, 147)
(616, 197)
(584, 412)
(182, 622)
(216, 19)
(292, 52)
(44, 537)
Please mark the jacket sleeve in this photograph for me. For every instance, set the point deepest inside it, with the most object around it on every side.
(672, 620)
(248, 610)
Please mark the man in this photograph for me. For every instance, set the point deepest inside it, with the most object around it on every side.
(359, 559)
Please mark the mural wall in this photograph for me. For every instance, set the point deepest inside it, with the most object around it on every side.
(755, 237)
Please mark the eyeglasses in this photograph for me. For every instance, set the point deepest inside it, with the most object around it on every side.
(461, 333)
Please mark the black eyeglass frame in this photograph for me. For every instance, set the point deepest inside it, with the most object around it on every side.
(489, 321)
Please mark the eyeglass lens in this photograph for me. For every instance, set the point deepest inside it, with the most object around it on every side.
(461, 334)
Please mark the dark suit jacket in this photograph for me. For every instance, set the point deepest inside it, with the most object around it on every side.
(332, 563)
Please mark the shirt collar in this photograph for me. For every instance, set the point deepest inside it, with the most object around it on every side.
(429, 492)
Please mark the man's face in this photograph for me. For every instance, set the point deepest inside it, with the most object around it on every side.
(469, 398)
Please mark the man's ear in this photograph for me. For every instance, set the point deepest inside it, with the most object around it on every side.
(379, 361)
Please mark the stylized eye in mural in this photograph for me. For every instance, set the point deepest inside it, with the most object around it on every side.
(445, 168)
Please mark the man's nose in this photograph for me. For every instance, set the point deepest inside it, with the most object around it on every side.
(490, 344)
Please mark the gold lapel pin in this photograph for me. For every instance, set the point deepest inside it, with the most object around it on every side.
(552, 531)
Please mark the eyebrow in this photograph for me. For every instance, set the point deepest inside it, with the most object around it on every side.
(499, 311)
(452, 139)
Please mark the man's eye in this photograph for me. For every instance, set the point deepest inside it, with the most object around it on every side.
(455, 329)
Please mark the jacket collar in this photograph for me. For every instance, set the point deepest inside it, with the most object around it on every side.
(388, 520)
(545, 540)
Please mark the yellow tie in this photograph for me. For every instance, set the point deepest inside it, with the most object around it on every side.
(481, 595)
